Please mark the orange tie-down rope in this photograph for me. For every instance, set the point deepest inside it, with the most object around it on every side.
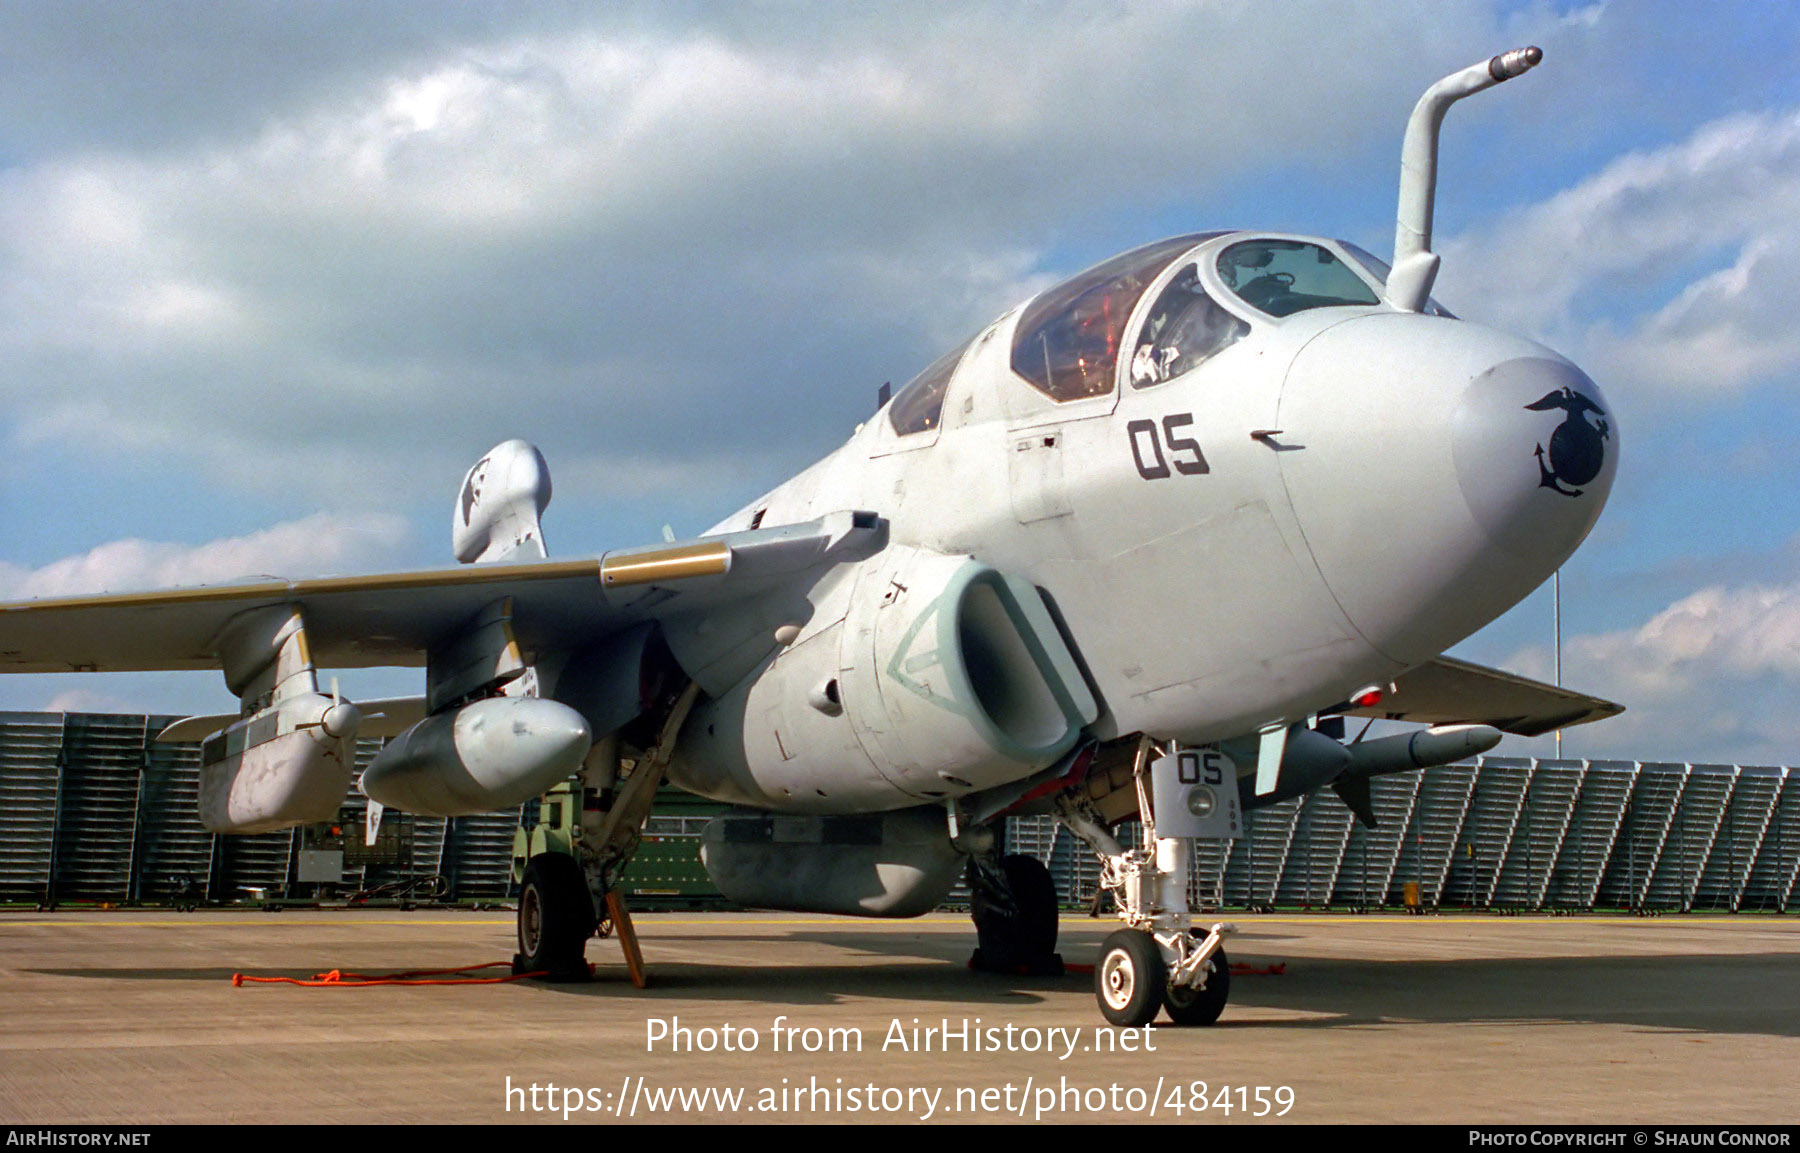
(1238, 969)
(615, 905)
(340, 979)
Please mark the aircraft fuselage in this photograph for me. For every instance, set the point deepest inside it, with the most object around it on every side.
(1331, 497)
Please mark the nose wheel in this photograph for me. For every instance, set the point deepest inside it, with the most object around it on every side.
(1187, 1005)
(1133, 981)
(1130, 978)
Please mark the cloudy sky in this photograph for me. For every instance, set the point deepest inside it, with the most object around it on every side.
(273, 275)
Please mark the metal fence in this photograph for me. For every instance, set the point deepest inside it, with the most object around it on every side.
(1503, 833)
(92, 810)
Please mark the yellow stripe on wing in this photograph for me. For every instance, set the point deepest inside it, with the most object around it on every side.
(709, 559)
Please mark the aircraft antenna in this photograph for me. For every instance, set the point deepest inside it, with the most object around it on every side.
(1415, 265)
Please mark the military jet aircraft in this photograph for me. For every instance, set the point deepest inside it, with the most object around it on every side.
(1133, 550)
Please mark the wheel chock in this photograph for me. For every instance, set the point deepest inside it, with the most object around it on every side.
(628, 942)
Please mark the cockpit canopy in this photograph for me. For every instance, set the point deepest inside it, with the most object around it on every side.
(1069, 339)
(1184, 328)
(920, 405)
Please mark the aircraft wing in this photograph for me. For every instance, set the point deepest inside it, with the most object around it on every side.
(395, 618)
(1449, 691)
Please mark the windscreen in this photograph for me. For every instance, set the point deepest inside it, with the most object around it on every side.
(1282, 277)
(1379, 269)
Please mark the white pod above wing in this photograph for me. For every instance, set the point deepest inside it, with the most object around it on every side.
(499, 507)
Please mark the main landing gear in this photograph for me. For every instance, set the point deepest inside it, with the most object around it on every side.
(1015, 911)
(569, 863)
(556, 918)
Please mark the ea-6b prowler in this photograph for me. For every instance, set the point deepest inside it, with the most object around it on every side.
(1132, 551)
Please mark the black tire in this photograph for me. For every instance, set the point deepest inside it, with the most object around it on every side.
(1130, 978)
(1024, 935)
(1034, 893)
(556, 917)
(1187, 1006)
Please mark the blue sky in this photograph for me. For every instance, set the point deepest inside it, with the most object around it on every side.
(273, 276)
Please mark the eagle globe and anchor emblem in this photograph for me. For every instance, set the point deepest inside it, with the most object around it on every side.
(1577, 447)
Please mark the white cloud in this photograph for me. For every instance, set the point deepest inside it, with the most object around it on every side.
(1673, 267)
(1714, 676)
(1715, 633)
(313, 546)
(680, 252)
(585, 235)
(89, 701)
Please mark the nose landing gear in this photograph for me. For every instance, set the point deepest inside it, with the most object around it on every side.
(1157, 962)
(1136, 977)
(1201, 1004)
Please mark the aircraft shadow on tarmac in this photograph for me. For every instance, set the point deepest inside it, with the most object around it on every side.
(1702, 993)
(1741, 993)
(1746, 993)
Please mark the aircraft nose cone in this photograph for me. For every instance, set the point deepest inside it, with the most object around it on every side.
(1535, 449)
(1439, 471)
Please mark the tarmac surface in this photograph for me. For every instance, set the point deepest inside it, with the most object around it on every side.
(132, 1017)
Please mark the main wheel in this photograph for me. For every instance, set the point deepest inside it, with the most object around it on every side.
(1190, 1006)
(1022, 936)
(1034, 894)
(556, 917)
(1130, 979)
